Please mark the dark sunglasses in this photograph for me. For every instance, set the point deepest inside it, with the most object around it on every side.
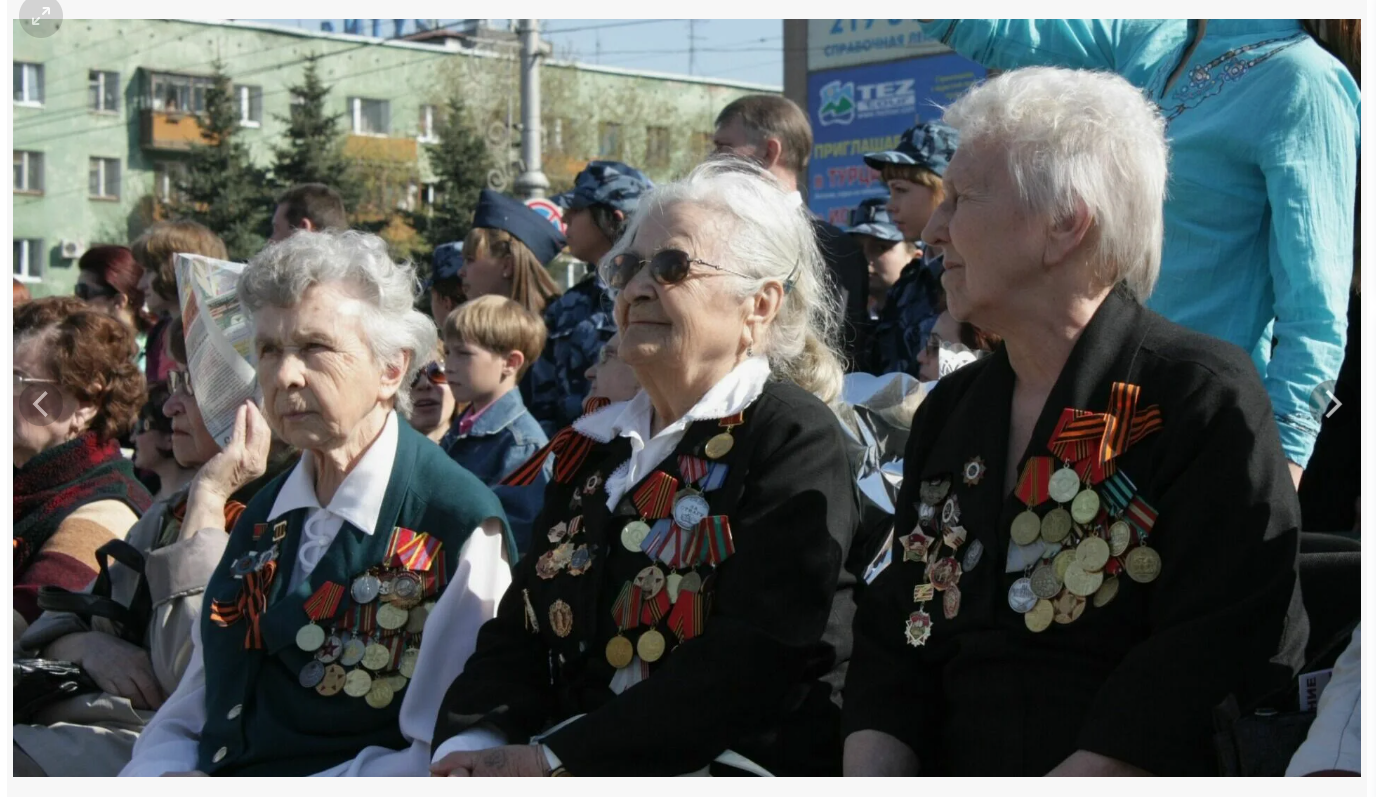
(433, 372)
(667, 267)
(85, 291)
(179, 380)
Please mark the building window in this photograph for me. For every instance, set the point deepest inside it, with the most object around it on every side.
(657, 147)
(609, 140)
(427, 124)
(167, 175)
(28, 172)
(104, 178)
(179, 93)
(28, 83)
(371, 117)
(28, 259)
(250, 105)
(104, 91)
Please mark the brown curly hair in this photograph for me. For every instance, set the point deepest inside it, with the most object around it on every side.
(91, 355)
(154, 249)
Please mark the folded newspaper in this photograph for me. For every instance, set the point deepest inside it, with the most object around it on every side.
(219, 341)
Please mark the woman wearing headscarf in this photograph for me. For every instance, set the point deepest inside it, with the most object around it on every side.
(1096, 533)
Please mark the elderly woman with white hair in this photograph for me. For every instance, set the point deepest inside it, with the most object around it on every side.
(308, 658)
(684, 599)
(1096, 534)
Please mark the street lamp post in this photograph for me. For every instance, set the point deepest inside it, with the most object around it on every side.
(532, 183)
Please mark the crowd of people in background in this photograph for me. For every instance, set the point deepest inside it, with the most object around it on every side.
(477, 525)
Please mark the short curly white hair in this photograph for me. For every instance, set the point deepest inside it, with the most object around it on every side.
(1074, 136)
(281, 274)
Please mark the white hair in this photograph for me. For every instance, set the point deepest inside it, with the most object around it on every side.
(280, 275)
(1073, 136)
(767, 235)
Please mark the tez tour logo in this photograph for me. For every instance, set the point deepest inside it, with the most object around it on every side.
(838, 103)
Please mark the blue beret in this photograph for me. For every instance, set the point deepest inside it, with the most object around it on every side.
(872, 218)
(500, 212)
(928, 146)
(609, 183)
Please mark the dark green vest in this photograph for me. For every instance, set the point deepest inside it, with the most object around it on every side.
(260, 720)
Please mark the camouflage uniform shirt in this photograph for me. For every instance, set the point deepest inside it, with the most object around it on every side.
(909, 313)
(580, 322)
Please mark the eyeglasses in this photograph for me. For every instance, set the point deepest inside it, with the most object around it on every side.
(20, 380)
(143, 425)
(85, 291)
(667, 267)
(179, 380)
(433, 372)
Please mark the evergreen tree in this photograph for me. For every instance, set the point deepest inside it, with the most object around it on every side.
(313, 146)
(460, 162)
(223, 189)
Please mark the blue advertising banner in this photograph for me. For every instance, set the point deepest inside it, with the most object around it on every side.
(865, 109)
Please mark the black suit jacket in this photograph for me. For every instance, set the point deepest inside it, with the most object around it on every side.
(762, 679)
(850, 277)
(1137, 678)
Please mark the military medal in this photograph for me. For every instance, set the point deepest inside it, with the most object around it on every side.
(407, 590)
(926, 514)
(1119, 538)
(950, 511)
(376, 657)
(560, 618)
(1062, 561)
(972, 555)
(950, 602)
(391, 617)
(357, 683)
(1067, 608)
(1106, 592)
(329, 652)
(1032, 490)
(933, 491)
(915, 546)
(1056, 525)
(633, 534)
(416, 623)
(1064, 485)
(973, 471)
(1039, 617)
(944, 573)
(590, 486)
(1080, 582)
(1085, 507)
(312, 674)
(379, 694)
(650, 646)
(690, 508)
(558, 531)
(333, 681)
(353, 651)
(1045, 585)
(1021, 599)
(1027, 527)
(310, 638)
(720, 445)
(409, 658)
(580, 561)
(919, 628)
(244, 564)
(954, 536)
(619, 651)
(626, 614)
(365, 588)
(650, 580)
(1143, 564)
(1092, 554)
(923, 593)
(545, 567)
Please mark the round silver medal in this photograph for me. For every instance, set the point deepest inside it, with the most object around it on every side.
(972, 555)
(312, 674)
(1020, 596)
(353, 651)
(1064, 485)
(365, 589)
(310, 637)
(690, 509)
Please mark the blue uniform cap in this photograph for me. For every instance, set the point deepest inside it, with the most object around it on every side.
(445, 263)
(929, 146)
(500, 212)
(609, 183)
(872, 218)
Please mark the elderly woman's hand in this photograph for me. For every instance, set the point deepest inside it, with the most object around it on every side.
(120, 668)
(244, 459)
(513, 760)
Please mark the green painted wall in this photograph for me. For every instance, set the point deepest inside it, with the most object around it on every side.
(577, 101)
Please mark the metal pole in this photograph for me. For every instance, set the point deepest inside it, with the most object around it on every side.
(532, 183)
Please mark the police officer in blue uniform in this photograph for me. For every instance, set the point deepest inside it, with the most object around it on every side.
(580, 322)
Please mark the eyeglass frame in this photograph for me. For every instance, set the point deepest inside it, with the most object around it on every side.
(434, 366)
(183, 377)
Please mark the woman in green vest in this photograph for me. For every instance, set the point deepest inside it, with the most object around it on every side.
(309, 655)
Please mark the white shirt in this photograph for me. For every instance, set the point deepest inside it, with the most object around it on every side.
(631, 419)
(170, 741)
(1335, 738)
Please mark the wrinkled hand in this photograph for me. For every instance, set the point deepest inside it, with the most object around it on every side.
(244, 459)
(513, 760)
(121, 668)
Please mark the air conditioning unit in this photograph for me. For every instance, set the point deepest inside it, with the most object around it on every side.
(71, 250)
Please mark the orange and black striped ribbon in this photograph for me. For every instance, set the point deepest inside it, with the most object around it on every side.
(595, 403)
(685, 619)
(655, 496)
(1100, 437)
(251, 604)
(325, 602)
(569, 447)
(655, 608)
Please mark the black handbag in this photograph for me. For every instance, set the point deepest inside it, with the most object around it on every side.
(131, 620)
(40, 682)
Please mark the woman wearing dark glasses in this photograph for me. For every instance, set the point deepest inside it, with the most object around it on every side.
(684, 602)
(432, 405)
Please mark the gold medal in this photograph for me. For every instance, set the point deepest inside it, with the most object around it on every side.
(1026, 528)
(1056, 525)
(397, 682)
(310, 637)
(719, 446)
(1045, 585)
(1039, 619)
(650, 646)
(1106, 592)
(1143, 564)
(332, 682)
(1119, 538)
(391, 617)
(379, 694)
(1064, 485)
(1085, 507)
(619, 651)
(409, 659)
(633, 534)
(357, 683)
(1062, 561)
(1092, 554)
(1080, 582)
(1067, 607)
(375, 657)
(407, 590)
(560, 618)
